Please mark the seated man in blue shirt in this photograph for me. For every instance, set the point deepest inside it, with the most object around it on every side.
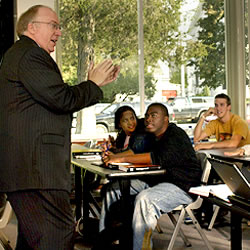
(172, 150)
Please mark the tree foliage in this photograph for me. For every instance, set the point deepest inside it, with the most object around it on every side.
(176, 77)
(211, 67)
(127, 85)
(96, 29)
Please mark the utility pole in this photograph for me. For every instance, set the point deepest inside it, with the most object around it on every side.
(141, 55)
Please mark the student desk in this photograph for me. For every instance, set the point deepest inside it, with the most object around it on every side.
(82, 191)
(219, 153)
(237, 213)
(243, 162)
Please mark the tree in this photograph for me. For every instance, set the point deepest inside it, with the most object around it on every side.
(96, 29)
(128, 86)
(176, 77)
(99, 28)
(211, 67)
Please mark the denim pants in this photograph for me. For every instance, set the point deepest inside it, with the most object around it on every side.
(149, 204)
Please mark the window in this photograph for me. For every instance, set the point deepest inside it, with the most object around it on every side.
(184, 52)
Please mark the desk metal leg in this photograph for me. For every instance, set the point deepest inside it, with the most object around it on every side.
(236, 233)
(78, 192)
(86, 200)
(82, 196)
(127, 236)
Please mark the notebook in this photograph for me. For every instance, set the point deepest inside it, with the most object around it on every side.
(221, 191)
(232, 176)
(129, 167)
(103, 165)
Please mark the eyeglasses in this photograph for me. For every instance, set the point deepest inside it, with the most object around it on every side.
(54, 26)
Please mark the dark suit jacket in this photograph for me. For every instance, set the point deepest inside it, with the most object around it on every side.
(36, 109)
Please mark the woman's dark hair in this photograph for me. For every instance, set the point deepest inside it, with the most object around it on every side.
(119, 112)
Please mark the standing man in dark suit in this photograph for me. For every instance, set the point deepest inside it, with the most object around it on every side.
(36, 109)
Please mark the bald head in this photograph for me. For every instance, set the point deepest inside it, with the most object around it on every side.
(27, 17)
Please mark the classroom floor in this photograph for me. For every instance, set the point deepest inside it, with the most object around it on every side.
(219, 236)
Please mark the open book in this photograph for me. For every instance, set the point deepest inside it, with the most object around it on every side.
(130, 167)
(221, 191)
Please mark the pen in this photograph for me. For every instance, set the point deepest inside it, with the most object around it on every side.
(108, 147)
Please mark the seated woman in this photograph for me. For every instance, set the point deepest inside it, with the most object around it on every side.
(131, 134)
(131, 137)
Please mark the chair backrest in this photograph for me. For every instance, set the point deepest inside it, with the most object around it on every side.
(205, 166)
(5, 211)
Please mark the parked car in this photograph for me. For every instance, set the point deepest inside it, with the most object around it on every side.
(190, 108)
(105, 119)
(100, 106)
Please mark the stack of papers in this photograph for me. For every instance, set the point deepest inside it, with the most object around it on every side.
(96, 157)
(221, 191)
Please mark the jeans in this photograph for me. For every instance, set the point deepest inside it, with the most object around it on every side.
(150, 203)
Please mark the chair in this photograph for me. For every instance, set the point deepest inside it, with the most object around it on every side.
(4, 242)
(216, 211)
(188, 209)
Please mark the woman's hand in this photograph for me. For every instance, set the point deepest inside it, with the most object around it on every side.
(106, 146)
(111, 140)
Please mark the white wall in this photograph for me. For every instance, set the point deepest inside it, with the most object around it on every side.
(23, 5)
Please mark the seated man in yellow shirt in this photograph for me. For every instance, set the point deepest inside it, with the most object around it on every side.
(230, 130)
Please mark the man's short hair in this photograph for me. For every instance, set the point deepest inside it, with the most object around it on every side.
(163, 108)
(224, 96)
(27, 17)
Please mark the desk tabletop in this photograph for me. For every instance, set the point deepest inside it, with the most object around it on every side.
(229, 206)
(219, 152)
(111, 173)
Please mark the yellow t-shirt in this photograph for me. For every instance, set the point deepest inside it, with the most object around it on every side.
(224, 131)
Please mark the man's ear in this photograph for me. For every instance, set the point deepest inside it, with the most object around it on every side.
(166, 118)
(31, 28)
